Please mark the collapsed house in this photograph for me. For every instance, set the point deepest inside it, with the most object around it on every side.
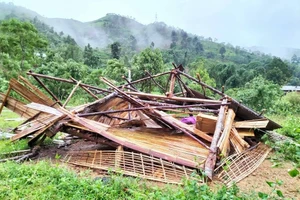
(146, 132)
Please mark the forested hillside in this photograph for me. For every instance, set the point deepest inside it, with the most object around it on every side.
(113, 44)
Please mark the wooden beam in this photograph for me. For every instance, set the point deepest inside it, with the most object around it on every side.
(49, 91)
(182, 99)
(85, 88)
(172, 84)
(212, 157)
(66, 81)
(71, 94)
(5, 98)
(223, 143)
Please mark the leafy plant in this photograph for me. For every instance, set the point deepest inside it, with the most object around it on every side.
(275, 193)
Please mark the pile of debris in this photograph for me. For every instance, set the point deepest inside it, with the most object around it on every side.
(158, 137)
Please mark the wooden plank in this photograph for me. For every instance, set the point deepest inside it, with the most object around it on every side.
(257, 123)
(34, 126)
(44, 108)
(243, 132)
(223, 143)
(146, 145)
(206, 123)
(234, 134)
(202, 135)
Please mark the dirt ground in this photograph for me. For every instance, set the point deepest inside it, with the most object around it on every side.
(265, 172)
(254, 182)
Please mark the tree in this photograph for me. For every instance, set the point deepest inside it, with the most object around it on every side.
(150, 60)
(278, 71)
(295, 59)
(152, 45)
(21, 40)
(174, 37)
(133, 43)
(222, 51)
(258, 94)
(199, 47)
(115, 50)
(90, 57)
(115, 70)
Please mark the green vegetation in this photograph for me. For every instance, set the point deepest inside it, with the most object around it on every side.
(43, 181)
(5, 123)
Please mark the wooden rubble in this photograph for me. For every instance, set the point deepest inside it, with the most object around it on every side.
(145, 126)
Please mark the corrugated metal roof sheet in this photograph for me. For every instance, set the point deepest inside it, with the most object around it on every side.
(290, 88)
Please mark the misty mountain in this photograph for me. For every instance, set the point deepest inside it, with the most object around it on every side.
(282, 52)
(113, 27)
(101, 32)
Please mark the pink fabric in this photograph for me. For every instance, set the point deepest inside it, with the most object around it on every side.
(189, 120)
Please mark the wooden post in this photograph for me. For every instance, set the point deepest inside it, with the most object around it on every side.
(5, 98)
(71, 94)
(212, 157)
(49, 91)
(172, 83)
(85, 88)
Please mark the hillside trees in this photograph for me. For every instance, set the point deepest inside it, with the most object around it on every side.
(222, 51)
(115, 50)
(21, 40)
(115, 69)
(258, 94)
(278, 71)
(90, 57)
(150, 60)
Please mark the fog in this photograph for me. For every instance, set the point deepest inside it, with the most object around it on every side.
(269, 24)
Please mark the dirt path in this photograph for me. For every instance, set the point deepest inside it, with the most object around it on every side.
(257, 180)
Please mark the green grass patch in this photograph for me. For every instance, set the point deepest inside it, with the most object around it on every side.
(7, 146)
(7, 125)
(42, 180)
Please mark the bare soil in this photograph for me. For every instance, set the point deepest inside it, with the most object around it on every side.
(254, 182)
(265, 172)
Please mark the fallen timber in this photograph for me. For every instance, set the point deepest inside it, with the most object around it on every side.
(144, 128)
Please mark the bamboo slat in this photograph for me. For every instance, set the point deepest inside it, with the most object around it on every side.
(132, 164)
(18, 107)
(238, 166)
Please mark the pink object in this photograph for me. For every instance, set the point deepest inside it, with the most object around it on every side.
(189, 120)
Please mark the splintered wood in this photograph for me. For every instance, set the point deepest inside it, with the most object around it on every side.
(161, 137)
(132, 164)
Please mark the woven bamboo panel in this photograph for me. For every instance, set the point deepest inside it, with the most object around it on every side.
(132, 164)
(238, 166)
(18, 107)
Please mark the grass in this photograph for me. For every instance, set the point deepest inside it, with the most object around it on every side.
(43, 181)
(7, 125)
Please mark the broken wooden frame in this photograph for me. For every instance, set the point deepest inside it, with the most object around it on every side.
(142, 122)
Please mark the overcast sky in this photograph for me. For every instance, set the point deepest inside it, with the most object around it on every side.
(240, 22)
